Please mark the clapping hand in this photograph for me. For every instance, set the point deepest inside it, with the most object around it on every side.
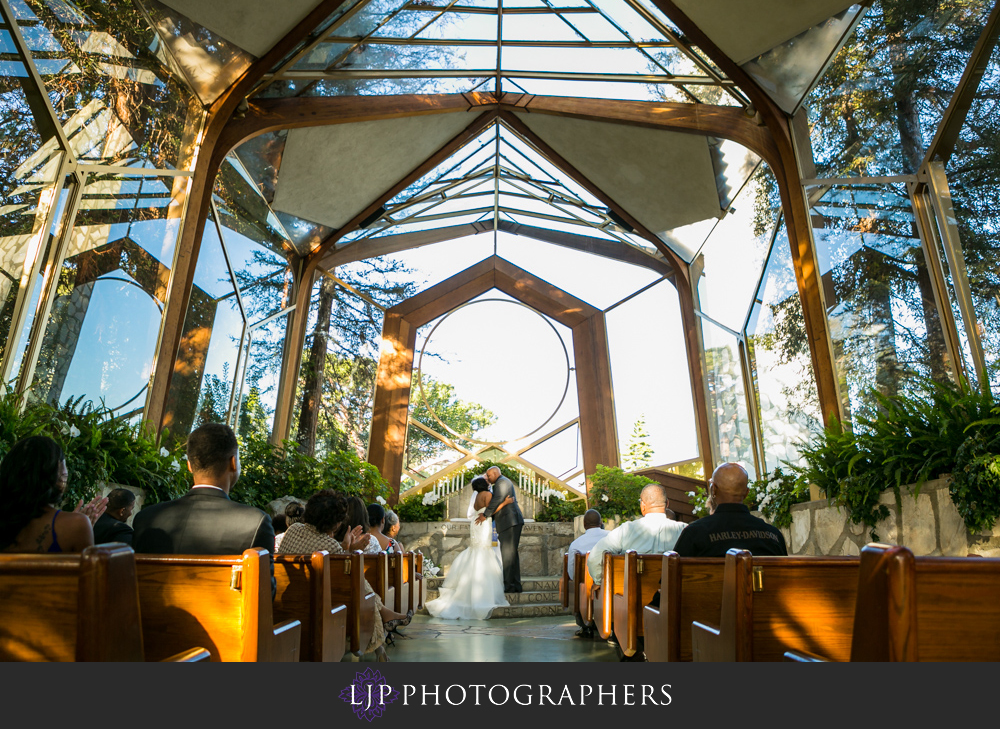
(355, 539)
(93, 509)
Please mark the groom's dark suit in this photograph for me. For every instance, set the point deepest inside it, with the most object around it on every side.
(508, 523)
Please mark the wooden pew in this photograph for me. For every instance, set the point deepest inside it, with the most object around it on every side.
(305, 593)
(222, 602)
(636, 578)
(564, 583)
(377, 574)
(690, 589)
(74, 607)
(923, 608)
(402, 581)
(600, 595)
(347, 587)
(772, 604)
(584, 589)
(420, 584)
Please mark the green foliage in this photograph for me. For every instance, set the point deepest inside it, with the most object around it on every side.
(640, 452)
(99, 448)
(462, 417)
(776, 493)
(412, 509)
(699, 501)
(615, 492)
(909, 440)
(561, 510)
(270, 472)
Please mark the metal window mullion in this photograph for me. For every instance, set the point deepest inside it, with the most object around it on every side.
(230, 418)
(238, 389)
(950, 238)
(29, 278)
(929, 241)
(50, 284)
(225, 255)
(36, 78)
(753, 412)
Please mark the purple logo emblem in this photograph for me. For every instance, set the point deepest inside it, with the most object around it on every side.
(369, 694)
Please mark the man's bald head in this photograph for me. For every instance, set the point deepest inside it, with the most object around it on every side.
(730, 484)
(492, 474)
(653, 499)
(592, 519)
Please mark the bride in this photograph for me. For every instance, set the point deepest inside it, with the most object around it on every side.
(474, 586)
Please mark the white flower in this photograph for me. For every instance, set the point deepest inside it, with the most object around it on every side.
(164, 452)
(552, 494)
(430, 498)
(73, 431)
(175, 465)
(604, 497)
(185, 456)
(380, 500)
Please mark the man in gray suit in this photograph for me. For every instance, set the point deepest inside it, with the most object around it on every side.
(508, 524)
(204, 520)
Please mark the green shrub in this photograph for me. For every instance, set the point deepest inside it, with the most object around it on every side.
(270, 472)
(412, 509)
(561, 510)
(615, 492)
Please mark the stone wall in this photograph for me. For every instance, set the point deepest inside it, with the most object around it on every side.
(542, 545)
(929, 524)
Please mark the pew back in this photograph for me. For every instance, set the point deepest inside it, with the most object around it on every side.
(691, 589)
(347, 577)
(305, 594)
(958, 609)
(70, 607)
(640, 579)
(583, 583)
(220, 602)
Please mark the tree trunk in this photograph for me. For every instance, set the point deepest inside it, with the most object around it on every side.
(312, 384)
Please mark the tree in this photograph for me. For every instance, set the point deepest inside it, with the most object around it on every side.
(462, 417)
(640, 452)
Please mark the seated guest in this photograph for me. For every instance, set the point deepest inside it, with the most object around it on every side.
(392, 528)
(671, 515)
(111, 527)
(325, 514)
(653, 533)
(33, 479)
(376, 517)
(204, 520)
(594, 531)
(357, 518)
(730, 524)
(292, 514)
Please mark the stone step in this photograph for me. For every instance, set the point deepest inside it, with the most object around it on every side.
(534, 610)
(528, 584)
(528, 597)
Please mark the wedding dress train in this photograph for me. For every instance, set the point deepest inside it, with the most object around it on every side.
(474, 585)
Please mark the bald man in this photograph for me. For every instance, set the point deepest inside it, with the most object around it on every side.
(730, 525)
(654, 533)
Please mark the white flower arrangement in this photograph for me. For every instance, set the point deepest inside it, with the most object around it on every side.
(164, 452)
(429, 567)
(552, 494)
(71, 430)
(381, 500)
(604, 497)
(430, 498)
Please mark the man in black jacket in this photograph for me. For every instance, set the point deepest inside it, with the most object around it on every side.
(508, 524)
(204, 520)
(112, 527)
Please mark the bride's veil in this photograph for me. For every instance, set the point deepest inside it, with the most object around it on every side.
(471, 513)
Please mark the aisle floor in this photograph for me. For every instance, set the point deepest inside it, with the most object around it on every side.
(510, 640)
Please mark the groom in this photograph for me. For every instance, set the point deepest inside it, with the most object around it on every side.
(508, 524)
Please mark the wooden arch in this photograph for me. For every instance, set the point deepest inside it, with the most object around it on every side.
(598, 434)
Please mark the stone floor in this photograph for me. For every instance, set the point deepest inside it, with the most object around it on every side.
(546, 639)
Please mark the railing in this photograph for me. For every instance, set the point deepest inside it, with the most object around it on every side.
(534, 486)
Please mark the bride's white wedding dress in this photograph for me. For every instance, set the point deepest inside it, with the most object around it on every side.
(474, 585)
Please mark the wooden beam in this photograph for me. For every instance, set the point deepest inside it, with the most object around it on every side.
(270, 115)
(539, 294)
(598, 431)
(694, 343)
(783, 164)
(210, 158)
(384, 245)
(387, 440)
(431, 303)
(588, 244)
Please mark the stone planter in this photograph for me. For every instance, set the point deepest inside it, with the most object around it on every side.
(928, 524)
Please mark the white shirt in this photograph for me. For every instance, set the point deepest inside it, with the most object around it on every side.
(651, 534)
(583, 544)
